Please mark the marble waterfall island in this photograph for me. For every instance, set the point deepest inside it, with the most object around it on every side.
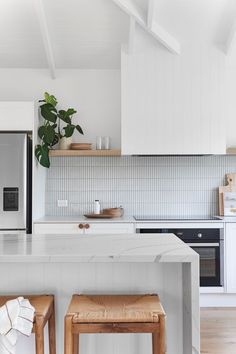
(132, 263)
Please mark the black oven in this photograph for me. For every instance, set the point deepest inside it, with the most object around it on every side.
(209, 244)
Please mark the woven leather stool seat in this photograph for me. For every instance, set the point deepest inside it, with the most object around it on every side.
(115, 314)
(44, 313)
(119, 308)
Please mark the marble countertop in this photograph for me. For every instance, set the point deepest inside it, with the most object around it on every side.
(81, 218)
(125, 219)
(95, 248)
(227, 218)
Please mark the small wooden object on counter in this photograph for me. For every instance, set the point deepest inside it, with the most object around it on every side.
(99, 216)
(230, 187)
(57, 153)
(115, 314)
(115, 212)
(44, 314)
(107, 214)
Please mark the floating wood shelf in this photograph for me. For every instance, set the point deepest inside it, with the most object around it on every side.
(113, 152)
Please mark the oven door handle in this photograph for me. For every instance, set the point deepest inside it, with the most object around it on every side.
(203, 244)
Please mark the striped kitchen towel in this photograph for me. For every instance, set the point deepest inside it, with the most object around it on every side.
(16, 316)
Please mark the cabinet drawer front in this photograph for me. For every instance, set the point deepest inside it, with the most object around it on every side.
(110, 228)
(58, 228)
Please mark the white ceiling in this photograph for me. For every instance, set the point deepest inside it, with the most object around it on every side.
(88, 33)
(83, 33)
(20, 40)
(197, 20)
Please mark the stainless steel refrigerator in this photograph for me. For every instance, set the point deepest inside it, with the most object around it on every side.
(15, 182)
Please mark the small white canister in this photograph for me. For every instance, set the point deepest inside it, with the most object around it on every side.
(97, 207)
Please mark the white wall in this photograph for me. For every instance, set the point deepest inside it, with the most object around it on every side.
(230, 109)
(191, 89)
(16, 116)
(95, 94)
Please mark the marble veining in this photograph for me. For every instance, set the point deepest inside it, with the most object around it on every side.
(93, 248)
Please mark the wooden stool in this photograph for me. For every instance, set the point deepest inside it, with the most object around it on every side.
(114, 314)
(44, 312)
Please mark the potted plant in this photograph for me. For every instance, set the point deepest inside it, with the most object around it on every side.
(57, 127)
(65, 134)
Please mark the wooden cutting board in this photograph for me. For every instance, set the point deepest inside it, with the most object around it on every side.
(230, 187)
(99, 216)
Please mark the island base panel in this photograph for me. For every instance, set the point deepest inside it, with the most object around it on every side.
(65, 279)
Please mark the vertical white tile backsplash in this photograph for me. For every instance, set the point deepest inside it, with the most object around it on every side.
(142, 185)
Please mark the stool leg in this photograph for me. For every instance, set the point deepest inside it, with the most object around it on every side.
(52, 332)
(162, 343)
(76, 344)
(68, 336)
(39, 335)
(155, 343)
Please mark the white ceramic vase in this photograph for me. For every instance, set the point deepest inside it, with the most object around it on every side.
(65, 143)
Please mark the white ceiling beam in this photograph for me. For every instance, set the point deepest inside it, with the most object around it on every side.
(231, 40)
(158, 32)
(150, 13)
(131, 42)
(165, 38)
(45, 37)
(131, 9)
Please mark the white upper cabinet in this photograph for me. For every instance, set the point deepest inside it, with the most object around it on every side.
(16, 116)
(173, 104)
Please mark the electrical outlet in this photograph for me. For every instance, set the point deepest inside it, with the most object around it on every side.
(62, 203)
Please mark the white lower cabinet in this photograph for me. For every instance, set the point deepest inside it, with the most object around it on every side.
(230, 257)
(83, 228)
(57, 228)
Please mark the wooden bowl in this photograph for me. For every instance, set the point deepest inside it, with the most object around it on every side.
(115, 212)
(81, 146)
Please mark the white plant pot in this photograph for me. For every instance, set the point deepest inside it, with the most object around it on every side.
(65, 143)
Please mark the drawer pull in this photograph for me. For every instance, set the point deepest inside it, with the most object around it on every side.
(81, 226)
(87, 226)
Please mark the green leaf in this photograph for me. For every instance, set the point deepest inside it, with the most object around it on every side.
(56, 140)
(79, 129)
(41, 154)
(64, 116)
(49, 112)
(69, 130)
(49, 135)
(71, 111)
(50, 99)
(41, 132)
